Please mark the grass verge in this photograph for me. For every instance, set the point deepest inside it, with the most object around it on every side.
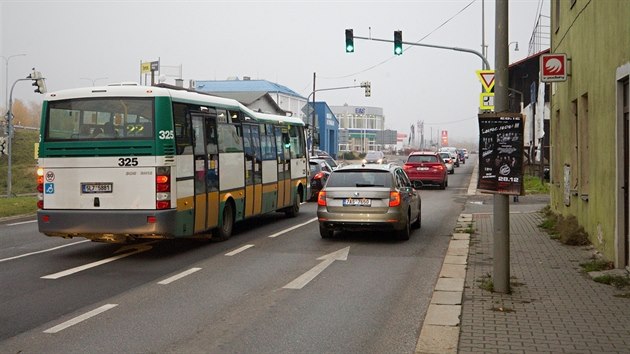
(18, 206)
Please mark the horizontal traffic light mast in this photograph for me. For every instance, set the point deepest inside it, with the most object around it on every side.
(398, 34)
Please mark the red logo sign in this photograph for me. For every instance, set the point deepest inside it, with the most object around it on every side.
(553, 67)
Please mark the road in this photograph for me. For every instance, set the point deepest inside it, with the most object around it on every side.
(275, 286)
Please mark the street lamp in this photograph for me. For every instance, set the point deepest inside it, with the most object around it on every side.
(515, 47)
(94, 80)
(6, 77)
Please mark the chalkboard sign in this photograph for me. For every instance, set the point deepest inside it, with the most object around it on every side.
(500, 153)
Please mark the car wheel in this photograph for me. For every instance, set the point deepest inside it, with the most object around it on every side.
(418, 223)
(325, 232)
(443, 185)
(405, 232)
(224, 231)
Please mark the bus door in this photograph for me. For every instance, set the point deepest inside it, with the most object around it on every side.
(284, 166)
(212, 172)
(253, 169)
(206, 171)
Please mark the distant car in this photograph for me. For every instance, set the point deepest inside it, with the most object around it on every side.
(448, 161)
(320, 170)
(369, 197)
(426, 168)
(375, 157)
(461, 155)
(465, 153)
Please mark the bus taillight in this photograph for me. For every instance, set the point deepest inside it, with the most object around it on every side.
(163, 187)
(40, 188)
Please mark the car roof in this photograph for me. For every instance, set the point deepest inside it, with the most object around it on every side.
(424, 153)
(368, 167)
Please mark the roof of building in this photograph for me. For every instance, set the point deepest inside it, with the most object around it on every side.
(243, 86)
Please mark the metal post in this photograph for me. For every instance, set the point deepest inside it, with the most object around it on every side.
(10, 136)
(501, 222)
(313, 132)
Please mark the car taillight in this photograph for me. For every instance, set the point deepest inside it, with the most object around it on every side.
(319, 175)
(321, 198)
(394, 199)
(439, 167)
(163, 187)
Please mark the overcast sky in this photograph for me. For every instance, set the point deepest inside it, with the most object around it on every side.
(75, 42)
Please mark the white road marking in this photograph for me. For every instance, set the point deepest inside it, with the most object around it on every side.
(141, 247)
(292, 228)
(178, 276)
(79, 319)
(302, 280)
(239, 250)
(42, 251)
(21, 222)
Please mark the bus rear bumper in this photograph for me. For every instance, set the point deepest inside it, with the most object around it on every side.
(108, 225)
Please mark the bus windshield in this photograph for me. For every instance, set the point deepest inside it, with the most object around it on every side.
(99, 119)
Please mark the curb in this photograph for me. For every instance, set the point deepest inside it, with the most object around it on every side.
(440, 329)
(441, 326)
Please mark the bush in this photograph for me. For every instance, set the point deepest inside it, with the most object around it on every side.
(565, 229)
(349, 155)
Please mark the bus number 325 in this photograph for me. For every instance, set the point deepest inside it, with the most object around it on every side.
(166, 134)
(128, 161)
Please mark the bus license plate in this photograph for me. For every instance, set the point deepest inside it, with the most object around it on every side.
(97, 187)
(357, 202)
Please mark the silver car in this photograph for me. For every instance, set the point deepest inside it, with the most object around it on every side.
(369, 197)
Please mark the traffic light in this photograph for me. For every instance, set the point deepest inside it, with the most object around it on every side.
(398, 42)
(38, 82)
(368, 88)
(3, 146)
(349, 41)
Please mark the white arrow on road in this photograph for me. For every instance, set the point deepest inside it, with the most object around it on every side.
(137, 248)
(328, 259)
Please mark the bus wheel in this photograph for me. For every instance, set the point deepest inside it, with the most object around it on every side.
(224, 231)
(293, 210)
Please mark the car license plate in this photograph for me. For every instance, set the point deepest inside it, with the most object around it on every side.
(357, 202)
(91, 187)
(423, 168)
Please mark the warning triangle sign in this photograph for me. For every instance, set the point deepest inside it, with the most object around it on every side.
(487, 79)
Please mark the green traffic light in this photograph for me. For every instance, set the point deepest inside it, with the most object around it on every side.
(349, 41)
(398, 42)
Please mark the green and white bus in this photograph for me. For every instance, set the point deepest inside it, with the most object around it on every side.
(118, 163)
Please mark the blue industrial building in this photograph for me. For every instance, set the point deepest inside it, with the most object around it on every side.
(326, 128)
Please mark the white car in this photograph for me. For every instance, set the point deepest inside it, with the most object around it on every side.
(448, 161)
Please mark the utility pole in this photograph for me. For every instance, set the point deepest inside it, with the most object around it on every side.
(501, 211)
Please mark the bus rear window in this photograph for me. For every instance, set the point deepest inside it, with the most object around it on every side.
(100, 119)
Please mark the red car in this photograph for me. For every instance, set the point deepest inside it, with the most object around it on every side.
(426, 167)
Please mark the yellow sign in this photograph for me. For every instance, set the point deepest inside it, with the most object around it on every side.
(486, 101)
(145, 68)
(487, 79)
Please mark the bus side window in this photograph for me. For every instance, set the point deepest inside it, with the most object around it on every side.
(183, 136)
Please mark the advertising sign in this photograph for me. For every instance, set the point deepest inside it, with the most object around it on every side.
(553, 67)
(501, 153)
(444, 138)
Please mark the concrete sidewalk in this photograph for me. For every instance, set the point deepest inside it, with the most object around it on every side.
(553, 306)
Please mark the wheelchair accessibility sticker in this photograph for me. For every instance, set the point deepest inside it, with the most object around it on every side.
(49, 188)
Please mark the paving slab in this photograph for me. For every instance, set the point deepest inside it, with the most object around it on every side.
(438, 339)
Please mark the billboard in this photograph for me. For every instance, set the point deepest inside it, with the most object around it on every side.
(501, 153)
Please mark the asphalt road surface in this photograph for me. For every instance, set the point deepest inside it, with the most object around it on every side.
(275, 287)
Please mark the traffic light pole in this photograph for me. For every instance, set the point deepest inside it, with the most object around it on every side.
(431, 46)
(10, 136)
(366, 85)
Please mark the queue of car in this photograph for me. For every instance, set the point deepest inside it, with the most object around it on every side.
(377, 195)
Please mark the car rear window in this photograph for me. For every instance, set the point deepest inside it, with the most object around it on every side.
(351, 178)
(422, 158)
